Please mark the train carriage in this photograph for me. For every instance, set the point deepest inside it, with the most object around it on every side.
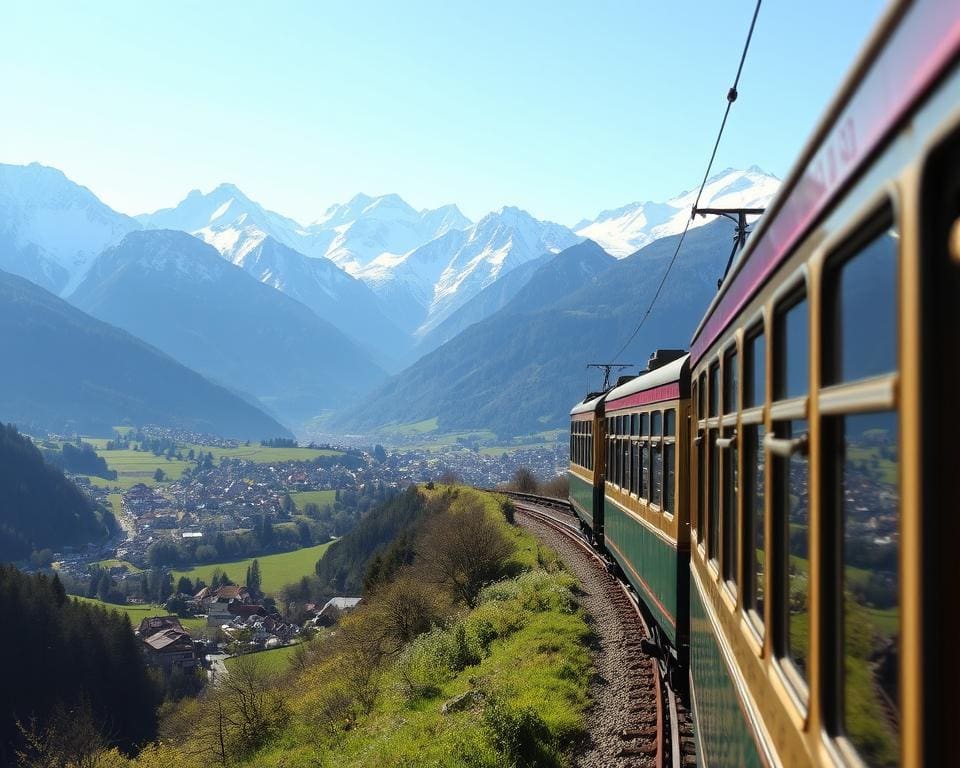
(645, 521)
(585, 474)
(824, 441)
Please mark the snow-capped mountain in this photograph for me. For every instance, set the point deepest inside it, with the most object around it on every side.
(625, 230)
(228, 220)
(432, 281)
(335, 296)
(358, 232)
(351, 235)
(51, 229)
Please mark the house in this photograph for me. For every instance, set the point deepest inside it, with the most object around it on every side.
(327, 615)
(166, 644)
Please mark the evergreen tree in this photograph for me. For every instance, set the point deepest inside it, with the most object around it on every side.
(253, 577)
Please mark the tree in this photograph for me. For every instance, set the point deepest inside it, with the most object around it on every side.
(464, 549)
(185, 586)
(379, 453)
(159, 475)
(524, 481)
(253, 577)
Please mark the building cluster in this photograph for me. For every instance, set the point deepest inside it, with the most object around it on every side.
(232, 609)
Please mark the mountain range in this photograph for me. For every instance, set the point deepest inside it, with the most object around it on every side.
(176, 292)
(520, 370)
(301, 318)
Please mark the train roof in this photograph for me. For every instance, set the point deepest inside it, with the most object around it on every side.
(668, 382)
(587, 406)
(911, 46)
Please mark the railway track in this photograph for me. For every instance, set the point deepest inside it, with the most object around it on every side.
(659, 732)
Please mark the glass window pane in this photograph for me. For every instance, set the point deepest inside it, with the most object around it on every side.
(634, 424)
(644, 470)
(865, 313)
(625, 458)
(731, 377)
(714, 389)
(792, 351)
(702, 404)
(713, 497)
(670, 422)
(753, 520)
(656, 474)
(730, 525)
(655, 418)
(669, 472)
(635, 467)
(795, 500)
(644, 424)
(754, 361)
(701, 484)
(871, 609)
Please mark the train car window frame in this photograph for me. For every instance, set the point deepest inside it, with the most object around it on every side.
(729, 469)
(844, 401)
(655, 501)
(711, 480)
(754, 567)
(669, 452)
(785, 448)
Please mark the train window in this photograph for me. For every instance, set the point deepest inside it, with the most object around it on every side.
(868, 502)
(656, 474)
(702, 402)
(714, 389)
(730, 530)
(754, 368)
(634, 424)
(713, 498)
(792, 348)
(730, 380)
(701, 478)
(656, 419)
(635, 467)
(625, 458)
(864, 289)
(753, 533)
(644, 424)
(645, 469)
(669, 458)
(792, 503)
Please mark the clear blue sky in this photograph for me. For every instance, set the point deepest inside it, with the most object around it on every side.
(561, 108)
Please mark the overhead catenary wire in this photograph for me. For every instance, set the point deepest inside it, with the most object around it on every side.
(731, 97)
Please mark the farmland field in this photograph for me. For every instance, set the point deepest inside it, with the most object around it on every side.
(139, 466)
(275, 570)
(276, 661)
(139, 612)
(319, 498)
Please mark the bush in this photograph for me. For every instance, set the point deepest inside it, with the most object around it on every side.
(520, 736)
(435, 658)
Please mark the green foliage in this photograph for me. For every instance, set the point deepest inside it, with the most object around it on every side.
(520, 735)
(69, 654)
(39, 507)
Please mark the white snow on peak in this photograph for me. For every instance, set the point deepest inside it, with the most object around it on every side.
(448, 271)
(51, 229)
(623, 231)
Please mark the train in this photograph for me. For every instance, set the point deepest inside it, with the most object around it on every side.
(783, 497)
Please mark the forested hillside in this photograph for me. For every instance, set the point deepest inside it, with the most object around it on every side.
(74, 678)
(39, 507)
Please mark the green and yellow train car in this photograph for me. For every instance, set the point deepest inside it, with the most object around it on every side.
(825, 440)
(585, 474)
(645, 521)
